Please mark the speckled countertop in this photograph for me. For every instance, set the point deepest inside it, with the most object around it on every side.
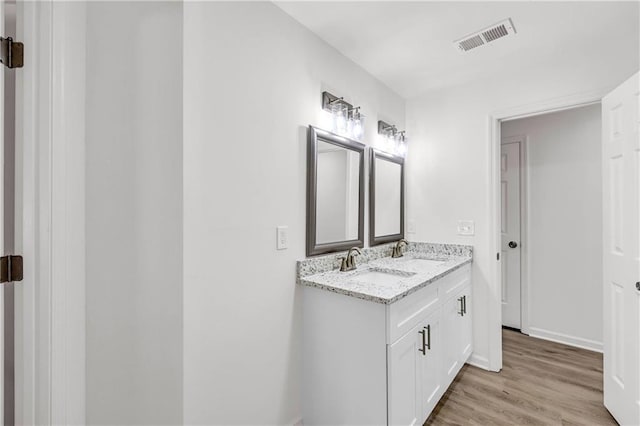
(380, 278)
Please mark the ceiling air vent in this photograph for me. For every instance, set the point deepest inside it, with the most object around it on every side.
(487, 35)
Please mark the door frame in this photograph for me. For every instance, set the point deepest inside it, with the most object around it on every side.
(494, 139)
(50, 176)
(523, 140)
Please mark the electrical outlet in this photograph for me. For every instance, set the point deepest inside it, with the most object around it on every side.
(282, 237)
(411, 227)
(466, 227)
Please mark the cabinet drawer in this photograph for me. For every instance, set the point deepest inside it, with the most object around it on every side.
(453, 283)
(406, 313)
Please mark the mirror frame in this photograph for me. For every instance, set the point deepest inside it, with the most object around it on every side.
(373, 240)
(315, 135)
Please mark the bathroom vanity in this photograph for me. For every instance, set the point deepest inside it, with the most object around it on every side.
(383, 342)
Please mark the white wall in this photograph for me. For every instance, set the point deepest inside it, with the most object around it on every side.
(448, 165)
(253, 79)
(564, 174)
(134, 213)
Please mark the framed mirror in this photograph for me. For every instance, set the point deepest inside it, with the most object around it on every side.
(335, 193)
(386, 198)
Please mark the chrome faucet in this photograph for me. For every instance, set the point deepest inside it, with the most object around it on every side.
(397, 249)
(349, 263)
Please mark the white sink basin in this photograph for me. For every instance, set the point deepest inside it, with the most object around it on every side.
(380, 277)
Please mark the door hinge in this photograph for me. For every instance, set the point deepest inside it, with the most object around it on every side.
(11, 53)
(10, 268)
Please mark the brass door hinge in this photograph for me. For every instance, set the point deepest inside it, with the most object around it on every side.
(11, 53)
(10, 268)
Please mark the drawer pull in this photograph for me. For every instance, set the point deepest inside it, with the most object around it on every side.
(423, 350)
(464, 303)
(461, 300)
(428, 328)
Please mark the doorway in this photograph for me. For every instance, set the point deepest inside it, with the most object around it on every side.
(551, 226)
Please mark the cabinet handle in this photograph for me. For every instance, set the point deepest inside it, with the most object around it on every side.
(464, 303)
(428, 328)
(460, 299)
(423, 350)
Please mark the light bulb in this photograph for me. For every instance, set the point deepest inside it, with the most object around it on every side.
(326, 120)
(402, 148)
(350, 124)
(396, 143)
(357, 128)
(389, 147)
(340, 119)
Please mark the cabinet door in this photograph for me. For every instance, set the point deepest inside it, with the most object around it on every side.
(466, 337)
(451, 338)
(404, 384)
(431, 371)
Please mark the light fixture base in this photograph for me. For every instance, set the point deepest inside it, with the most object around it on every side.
(384, 127)
(328, 99)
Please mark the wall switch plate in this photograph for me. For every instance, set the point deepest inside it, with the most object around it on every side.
(282, 237)
(411, 227)
(466, 227)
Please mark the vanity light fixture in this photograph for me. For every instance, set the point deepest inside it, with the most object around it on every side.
(346, 120)
(391, 139)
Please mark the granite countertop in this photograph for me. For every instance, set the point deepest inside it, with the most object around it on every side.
(383, 279)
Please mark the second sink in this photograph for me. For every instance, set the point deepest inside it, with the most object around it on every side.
(421, 264)
(381, 277)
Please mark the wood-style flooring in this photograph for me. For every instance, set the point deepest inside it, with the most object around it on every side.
(541, 383)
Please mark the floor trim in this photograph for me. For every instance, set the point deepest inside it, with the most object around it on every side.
(566, 339)
(479, 361)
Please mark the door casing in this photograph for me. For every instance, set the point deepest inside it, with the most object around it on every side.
(494, 139)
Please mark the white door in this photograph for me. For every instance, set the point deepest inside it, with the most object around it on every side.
(452, 311)
(431, 363)
(2, 289)
(510, 187)
(405, 391)
(466, 326)
(621, 190)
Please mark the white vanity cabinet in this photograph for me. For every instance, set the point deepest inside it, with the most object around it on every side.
(456, 320)
(431, 362)
(373, 363)
(404, 371)
(414, 372)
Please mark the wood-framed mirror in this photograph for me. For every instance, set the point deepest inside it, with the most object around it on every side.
(335, 193)
(386, 198)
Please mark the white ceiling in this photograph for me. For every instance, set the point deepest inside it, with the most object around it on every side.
(409, 45)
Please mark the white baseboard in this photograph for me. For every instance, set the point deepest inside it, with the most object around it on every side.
(479, 361)
(565, 339)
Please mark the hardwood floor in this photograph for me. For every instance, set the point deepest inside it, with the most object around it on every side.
(541, 383)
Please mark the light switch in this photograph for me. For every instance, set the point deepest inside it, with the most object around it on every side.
(282, 237)
(466, 227)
